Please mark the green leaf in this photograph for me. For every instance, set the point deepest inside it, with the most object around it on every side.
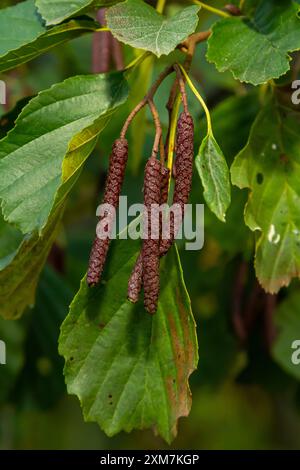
(214, 174)
(287, 321)
(38, 168)
(8, 119)
(255, 49)
(19, 277)
(129, 369)
(21, 261)
(10, 239)
(55, 11)
(19, 26)
(269, 166)
(233, 132)
(11, 57)
(24, 36)
(139, 25)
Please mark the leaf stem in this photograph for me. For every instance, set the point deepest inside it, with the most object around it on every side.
(214, 10)
(160, 6)
(172, 135)
(137, 61)
(104, 28)
(158, 133)
(200, 99)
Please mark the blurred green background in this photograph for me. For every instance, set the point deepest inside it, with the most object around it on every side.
(241, 398)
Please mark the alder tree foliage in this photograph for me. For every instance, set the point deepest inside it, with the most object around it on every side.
(129, 339)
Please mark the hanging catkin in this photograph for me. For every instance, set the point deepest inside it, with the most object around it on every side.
(150, 250)
(183, 182)
(184, 172)
(116, 171)
(136, 278)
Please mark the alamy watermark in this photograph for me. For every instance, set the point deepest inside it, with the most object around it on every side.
(296, 93)
(296, 353)
(158, 222)
(2, 92)
(2, 353)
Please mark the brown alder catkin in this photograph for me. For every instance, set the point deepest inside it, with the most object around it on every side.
(136, 278)
(135, 281)
(116, 171)
(184, 173)
(150, 250)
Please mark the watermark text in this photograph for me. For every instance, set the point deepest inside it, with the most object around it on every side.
(296, 93)
(157, 222)
(296, 353)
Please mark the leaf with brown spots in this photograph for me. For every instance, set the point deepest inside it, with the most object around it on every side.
(133, 372)
(270, 166)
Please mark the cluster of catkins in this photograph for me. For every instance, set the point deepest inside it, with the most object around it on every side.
(156, 183)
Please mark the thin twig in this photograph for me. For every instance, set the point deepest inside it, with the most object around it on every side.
(214, 10)
(158, 133)
(131, 116)
(158, 81)
(173, 103)
(188, 47)
(180, 80)
(148, 97)
(170, 106)
(195, 38)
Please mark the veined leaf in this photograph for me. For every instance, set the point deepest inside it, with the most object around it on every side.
(27, 26)
(53, 37)
(129, 369)
(270, 166)
(55, 11)
(255, 49)
(29, 38)
(140, 25)
(38, 168)
(287, 321)
(10, 239)
(7, 120)
(214, 174)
